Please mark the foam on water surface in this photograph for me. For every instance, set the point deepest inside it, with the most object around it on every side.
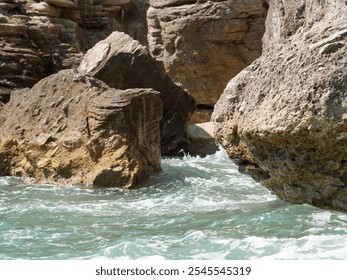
(197, 208)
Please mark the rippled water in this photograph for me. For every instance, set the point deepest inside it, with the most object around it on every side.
(195, 209)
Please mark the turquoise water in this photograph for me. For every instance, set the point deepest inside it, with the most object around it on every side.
(195, 209)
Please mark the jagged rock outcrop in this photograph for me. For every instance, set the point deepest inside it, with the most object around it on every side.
(122, 62)
(203, 44)
(284, 118)
(38, 38)
(72, 129)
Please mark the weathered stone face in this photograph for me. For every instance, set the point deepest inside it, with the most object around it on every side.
(39, 38)
(284, 118)
(203, 44)
(71, 129)
(122, 62)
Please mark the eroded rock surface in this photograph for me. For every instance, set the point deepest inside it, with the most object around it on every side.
(122, 62)
(284, 118)
(72, 129)
(203, 44)
(38, 38)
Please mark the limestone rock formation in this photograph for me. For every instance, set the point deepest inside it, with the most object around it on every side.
(38, 38)
(284, 118)
(203, 44)
(122, 62)
(72, 129)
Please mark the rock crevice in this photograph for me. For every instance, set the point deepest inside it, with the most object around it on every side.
(203, 44)
(123, 63)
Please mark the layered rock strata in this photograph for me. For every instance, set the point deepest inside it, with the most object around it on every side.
(203, 44)
(284, 118)
(72, 129)
(38, 38)
(123, 63)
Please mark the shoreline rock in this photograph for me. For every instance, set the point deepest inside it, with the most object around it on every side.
(72, 129)
(283, 119)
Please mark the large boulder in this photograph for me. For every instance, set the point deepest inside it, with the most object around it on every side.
(203, 44)
(284, 118)
(71, 129)
(123, 63)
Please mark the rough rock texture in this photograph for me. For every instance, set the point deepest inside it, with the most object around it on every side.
(71, 129)
(203, 44)
(284, 118)
(122, 62)
(38, 38)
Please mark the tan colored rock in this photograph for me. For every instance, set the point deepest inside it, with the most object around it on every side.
(13, 29)
(284, 118)
(203, 44)
(8, 6)
(57, 33)
(71, 129)
(201, 115)
(43, 9)
(122, 62)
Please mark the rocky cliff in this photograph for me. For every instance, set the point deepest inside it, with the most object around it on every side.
(38, 38)
(284, 118)
(72, 129)
(203, 44)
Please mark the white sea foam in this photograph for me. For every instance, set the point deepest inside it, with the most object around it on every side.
(321, 219)
(197, 208)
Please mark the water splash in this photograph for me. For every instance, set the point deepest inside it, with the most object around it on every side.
(197, 208)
